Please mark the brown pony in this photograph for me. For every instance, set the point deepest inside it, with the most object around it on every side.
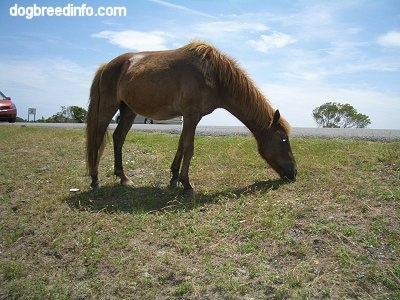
(191, 81)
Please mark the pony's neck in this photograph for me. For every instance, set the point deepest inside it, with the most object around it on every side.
(252, 114)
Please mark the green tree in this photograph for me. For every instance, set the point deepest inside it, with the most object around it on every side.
(78, 114)
(70, 114)
(337, 115)
(62, 116)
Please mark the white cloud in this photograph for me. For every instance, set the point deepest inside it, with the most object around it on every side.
(353, 30)
(231, 26)
(274, 40)
(136, 40)
(319, 70)
(229, 30)
(390, 39)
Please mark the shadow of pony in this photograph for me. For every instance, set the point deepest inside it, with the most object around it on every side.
(148, 199)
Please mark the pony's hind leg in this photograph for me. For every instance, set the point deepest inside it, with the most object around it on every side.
(98, 146)
(125, 123)
(96, 130)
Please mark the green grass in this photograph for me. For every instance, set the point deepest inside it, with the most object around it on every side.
(332, 234)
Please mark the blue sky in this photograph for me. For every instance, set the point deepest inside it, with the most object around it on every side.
(301, 54)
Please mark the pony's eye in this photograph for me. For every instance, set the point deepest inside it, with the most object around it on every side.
(284, 140)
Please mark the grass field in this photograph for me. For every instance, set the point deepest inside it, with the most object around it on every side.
(332, 234)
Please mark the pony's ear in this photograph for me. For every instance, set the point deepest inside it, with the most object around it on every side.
(277, 116)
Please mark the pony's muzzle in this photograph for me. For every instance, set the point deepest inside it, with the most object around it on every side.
(289, 173)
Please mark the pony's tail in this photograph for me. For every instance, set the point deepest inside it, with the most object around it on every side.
(93, 150)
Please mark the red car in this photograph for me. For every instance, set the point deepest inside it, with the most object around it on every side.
(8, 111)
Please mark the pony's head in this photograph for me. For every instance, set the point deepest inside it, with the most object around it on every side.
(274, 147)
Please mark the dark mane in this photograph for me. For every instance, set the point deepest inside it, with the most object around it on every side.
(219, 68)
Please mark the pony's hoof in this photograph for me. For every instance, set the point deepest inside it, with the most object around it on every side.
(174, 183)
(190, 193)
(127, 183)
(95, 186)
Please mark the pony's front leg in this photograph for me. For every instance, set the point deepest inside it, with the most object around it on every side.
(176, 165)
(126, 120)
(95, 184)
(184, 175)
(187, 137)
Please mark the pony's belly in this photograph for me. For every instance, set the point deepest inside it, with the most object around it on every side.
(157, 114)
